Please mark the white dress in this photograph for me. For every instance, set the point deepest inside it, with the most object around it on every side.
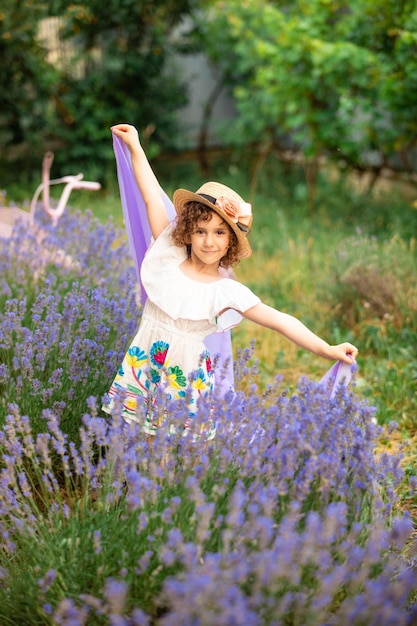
(169, 348)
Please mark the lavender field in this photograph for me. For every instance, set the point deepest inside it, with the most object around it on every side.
(290, 518)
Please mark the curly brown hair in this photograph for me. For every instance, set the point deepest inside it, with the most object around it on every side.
(187, 219)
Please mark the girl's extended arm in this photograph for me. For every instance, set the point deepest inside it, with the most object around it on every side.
(145, 178)
(299, 334)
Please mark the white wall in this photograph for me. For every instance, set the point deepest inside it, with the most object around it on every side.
(201, 79)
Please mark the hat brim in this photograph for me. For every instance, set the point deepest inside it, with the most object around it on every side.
(182, 196)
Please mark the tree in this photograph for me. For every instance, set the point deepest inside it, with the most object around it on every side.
(115, 71)
(26, 78)
(123, 48)
(337, 78)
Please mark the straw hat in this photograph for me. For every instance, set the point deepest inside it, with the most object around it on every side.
(225, 202)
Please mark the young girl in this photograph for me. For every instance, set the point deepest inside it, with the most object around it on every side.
(189, 296)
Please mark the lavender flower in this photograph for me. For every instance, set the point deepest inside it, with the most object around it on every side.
(115, 593)
(46, 582)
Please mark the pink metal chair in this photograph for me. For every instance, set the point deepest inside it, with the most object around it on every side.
(10, 215)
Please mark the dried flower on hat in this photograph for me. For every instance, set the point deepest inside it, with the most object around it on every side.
(233, 208)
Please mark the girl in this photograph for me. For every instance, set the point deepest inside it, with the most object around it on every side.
(190, 297)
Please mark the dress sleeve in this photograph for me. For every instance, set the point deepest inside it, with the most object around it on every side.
(237, 299)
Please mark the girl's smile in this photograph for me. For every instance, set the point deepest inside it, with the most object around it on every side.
(210, 242)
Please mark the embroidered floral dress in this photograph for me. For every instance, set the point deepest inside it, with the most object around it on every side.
(169, 348)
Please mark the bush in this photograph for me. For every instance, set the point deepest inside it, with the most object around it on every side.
(373, 279)
(371, 289)
(113, 65)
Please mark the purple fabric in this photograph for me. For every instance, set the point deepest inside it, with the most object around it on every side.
(139, 237)
(134, 211)
(339, 374)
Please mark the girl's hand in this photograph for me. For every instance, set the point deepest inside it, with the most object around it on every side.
(343, 352)
(128, 134)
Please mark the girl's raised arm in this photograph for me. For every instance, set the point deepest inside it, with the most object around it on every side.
(145, 178)
(299, 334)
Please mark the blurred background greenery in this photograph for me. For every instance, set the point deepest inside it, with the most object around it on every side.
(309, 80)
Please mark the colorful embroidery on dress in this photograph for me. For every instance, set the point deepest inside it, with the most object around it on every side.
(136, 357)
(176, 377)
(158, 353)
(140, 375)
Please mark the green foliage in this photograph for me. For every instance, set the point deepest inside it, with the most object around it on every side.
(113, 69)
(26, 79)
(371, 280)
(337, 77)
(121, 50)
(333, 78)
(373, 283)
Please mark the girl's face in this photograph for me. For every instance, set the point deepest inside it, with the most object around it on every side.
(210, 241)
